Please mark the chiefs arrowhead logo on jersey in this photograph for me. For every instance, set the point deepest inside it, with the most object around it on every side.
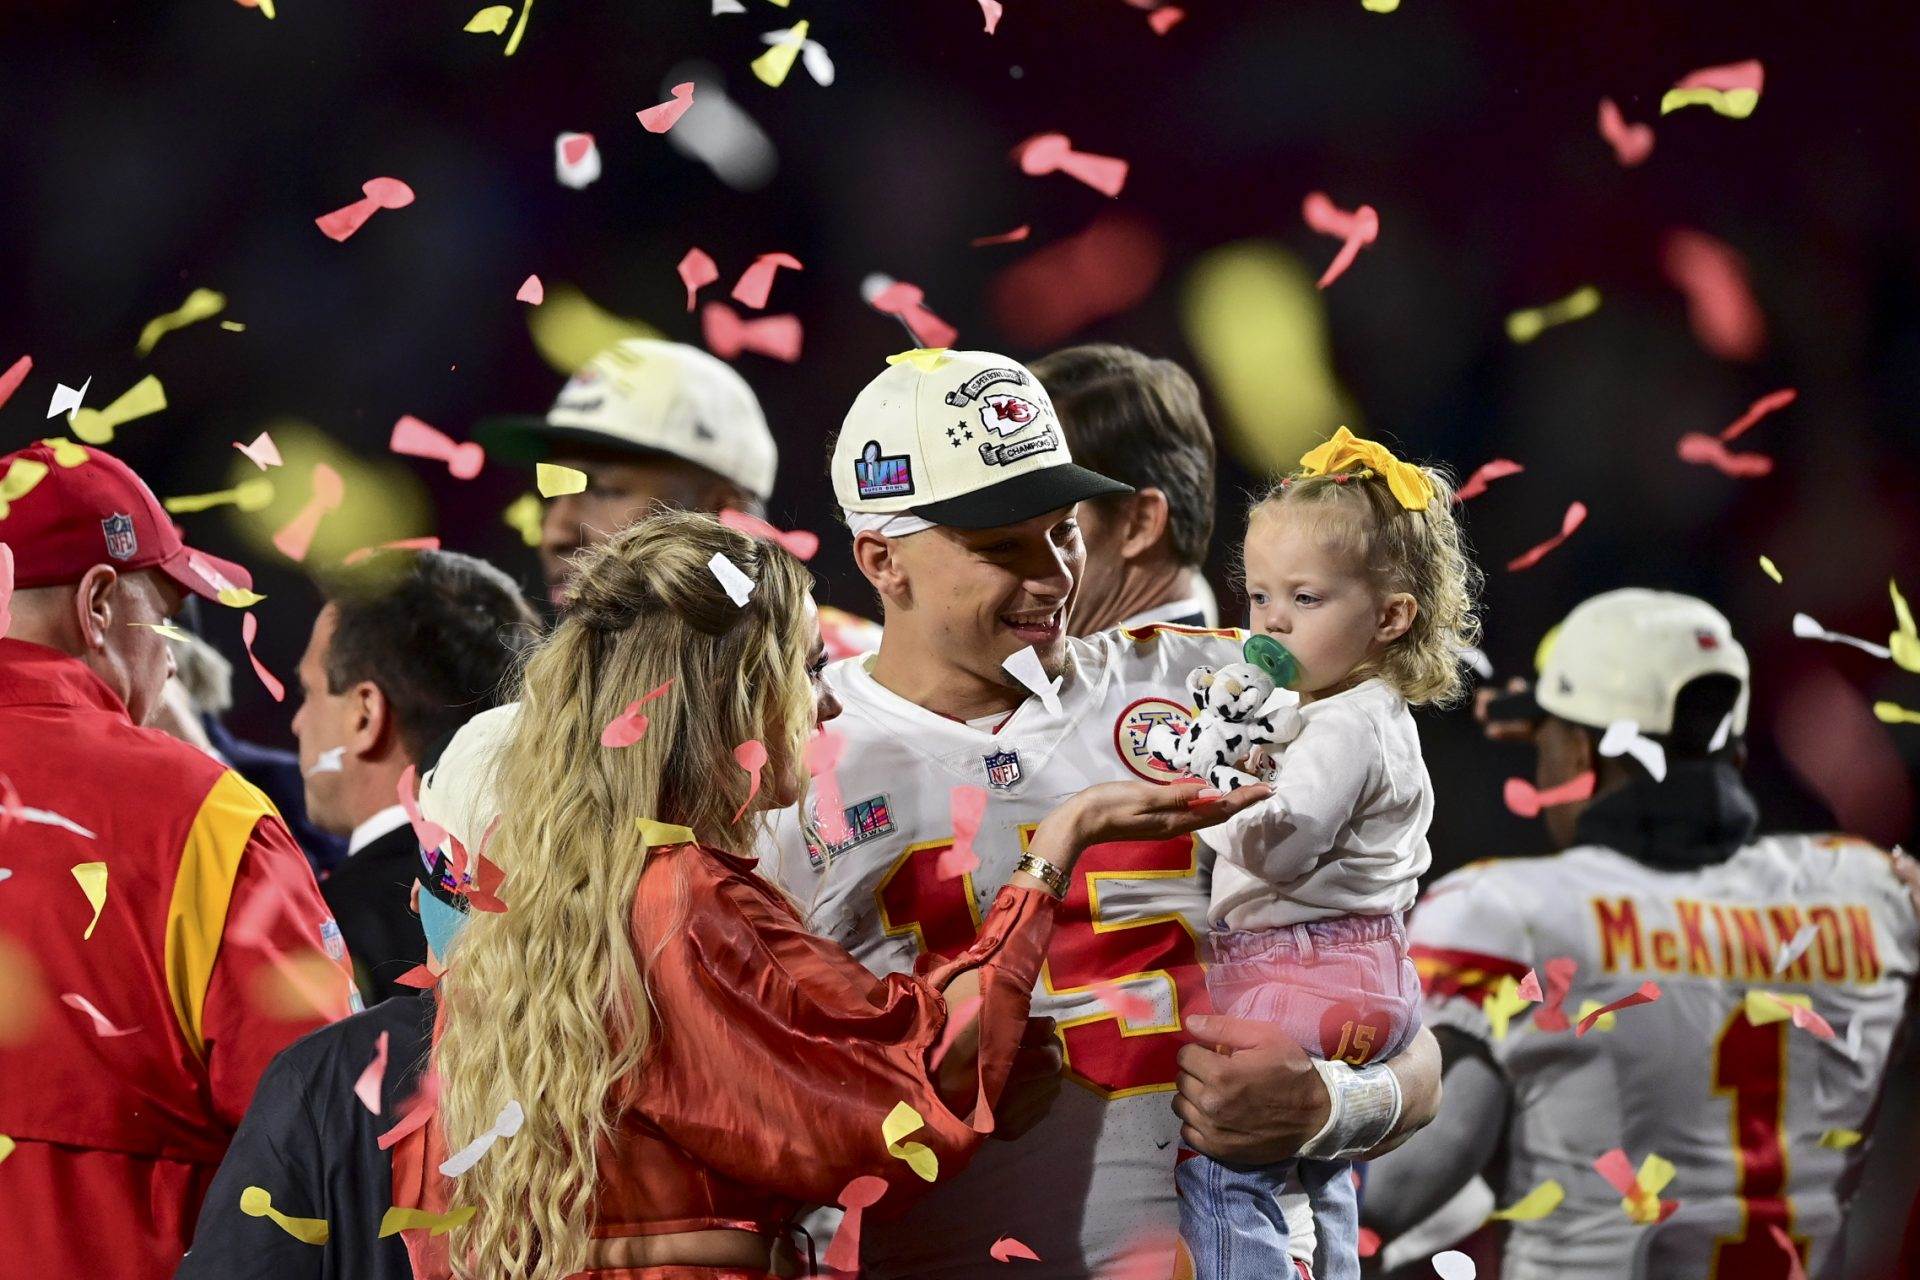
(1136, 722)
(1005, 414)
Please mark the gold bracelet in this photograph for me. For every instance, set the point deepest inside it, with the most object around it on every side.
(1045, 872)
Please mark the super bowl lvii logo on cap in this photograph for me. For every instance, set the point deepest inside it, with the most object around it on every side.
(877, 476)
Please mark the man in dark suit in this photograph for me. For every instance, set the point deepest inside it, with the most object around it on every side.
(407, 648)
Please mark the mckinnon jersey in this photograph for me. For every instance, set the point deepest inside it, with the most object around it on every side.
(1761, 1121)
(1093, 1183)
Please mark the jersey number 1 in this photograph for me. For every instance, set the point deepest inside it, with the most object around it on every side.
(1750, 1065)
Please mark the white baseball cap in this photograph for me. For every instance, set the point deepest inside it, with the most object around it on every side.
(651, 396)
(961, 438)
(1624, 655)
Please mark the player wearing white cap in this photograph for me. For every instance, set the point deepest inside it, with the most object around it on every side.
(960, 490)
(1661, 880)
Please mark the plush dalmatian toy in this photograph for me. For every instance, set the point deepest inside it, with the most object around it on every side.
(1241, 706)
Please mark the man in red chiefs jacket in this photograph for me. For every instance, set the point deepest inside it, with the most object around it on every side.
(161, 937)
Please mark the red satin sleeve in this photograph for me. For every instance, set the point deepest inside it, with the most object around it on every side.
(777, 1054)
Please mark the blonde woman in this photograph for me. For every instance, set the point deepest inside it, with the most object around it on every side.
(694, 1067)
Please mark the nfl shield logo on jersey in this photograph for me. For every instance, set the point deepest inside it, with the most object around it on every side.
(121, 542)
(1003, 769)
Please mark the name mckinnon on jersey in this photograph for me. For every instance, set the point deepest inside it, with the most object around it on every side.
(1093, 1183)
(1761, 1121)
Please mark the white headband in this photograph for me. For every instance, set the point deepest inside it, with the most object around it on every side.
(896, 525)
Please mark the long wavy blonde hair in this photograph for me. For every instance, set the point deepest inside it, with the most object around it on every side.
(546, 1004)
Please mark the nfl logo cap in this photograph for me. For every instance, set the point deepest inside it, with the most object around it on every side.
(650, 396)
(73, 507)
(1624, 655)
(967, 439)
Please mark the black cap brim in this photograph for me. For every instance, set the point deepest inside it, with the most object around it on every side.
(1517, 706)
(1021, 497)
(526, 440)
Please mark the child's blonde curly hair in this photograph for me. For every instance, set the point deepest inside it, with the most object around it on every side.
(1421, 552)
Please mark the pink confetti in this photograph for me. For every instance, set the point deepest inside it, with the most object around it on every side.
(727, 335)
(484, 892)
(531, 291)
(418, 1112)
(756, 282)
(6, 587)
(1486, 474)
(1129, 1005)
(750, 755)
(429, 835)
(959, 1017)
(1772, 401)
(697, 270)
(249, 628)
(800, 543)
(1104, 270)
(1720, 304)
(1749, 74)
(630, 726)
(906, 301)
(296, 536)
(822, 759)
(1795, 1269)
(1618, 1171)
(1526, 801)
(1631, 143)
(1006, 1249)
(367, 1087)
(1706, 450)
(574, 146)
(1551, 1015)
(967, 805)
(262, 453)
(663, 117)
(381, 193)
(843, 1251)
(1162, 20)
(1575, 517)
(102, 1025)
(1358, 228)
(15, 375)
(359, 555)
(1046, 153)
(1647, 993)
(1014, 236)
(416, 439)
(1801, 1016)
(420, 978)
(991, 11)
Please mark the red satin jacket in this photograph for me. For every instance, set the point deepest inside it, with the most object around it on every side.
(777, 1055)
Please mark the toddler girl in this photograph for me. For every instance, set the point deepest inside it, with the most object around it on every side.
(1356, 566)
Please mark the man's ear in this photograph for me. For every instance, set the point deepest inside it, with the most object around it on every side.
(1396, 617)
(371, 727)
(1146, 523)
(879, 561)
(97, 606)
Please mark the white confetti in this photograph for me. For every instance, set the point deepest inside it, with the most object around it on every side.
(1807, 628)
(727, 6)
(66, 399)
(576, 160)
(1454, 1265)
(738, 585)
(1721, 734)
(505, 1125)
(721, 135)
(1025, 667)
(328, 761)
(48, 818)
(1478, 660)
(1796, 947)
(1623, 738)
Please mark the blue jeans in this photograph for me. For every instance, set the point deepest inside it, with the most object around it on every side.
(1230, 1219)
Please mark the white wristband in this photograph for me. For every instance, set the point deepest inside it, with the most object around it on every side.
(1365, 1107)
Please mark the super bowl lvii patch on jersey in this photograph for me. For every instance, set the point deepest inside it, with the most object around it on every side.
(868, 820)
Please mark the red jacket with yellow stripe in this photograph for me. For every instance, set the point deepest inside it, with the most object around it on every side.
(211, 951)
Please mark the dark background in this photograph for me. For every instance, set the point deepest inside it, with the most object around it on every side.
(146, 149)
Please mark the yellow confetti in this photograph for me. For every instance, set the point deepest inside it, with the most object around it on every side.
(519, 28)
(1905, 642)
(664, 833)
(248, 495)
(1644, 1204)
(239, 597)
(569, 328)
(1771, 1006)
(201, 304)
(1379, 6)
(900, 1122)
(1525, 326)
(96, 426)
(266, 7)
(1770, 569)
(19, 481)
(6, 1147)
(491, 20)
(552, 479)
(1894, 713)
(1534, 1205)
(773, 65)
(524, 516)
(65, 452)
(93, 882)
(1605, 1022)
(925, 359)
(1736, 104)
(233, 326)
(398, 1219)
(1502, 1003)
(1840, 1139)
(166, 629)
(256, 1203)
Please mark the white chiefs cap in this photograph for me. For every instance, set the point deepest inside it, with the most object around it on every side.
(1625, 655)
(967, 439)
(461, 792)
(651, 396)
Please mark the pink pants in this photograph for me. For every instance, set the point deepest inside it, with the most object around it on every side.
(1344, 988)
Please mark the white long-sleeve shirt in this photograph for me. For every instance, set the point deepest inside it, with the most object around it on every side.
(1345, 832)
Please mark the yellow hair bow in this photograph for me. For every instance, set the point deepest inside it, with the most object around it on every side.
(1408, 482)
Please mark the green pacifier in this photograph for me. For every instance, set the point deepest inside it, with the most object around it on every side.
(1268, 654)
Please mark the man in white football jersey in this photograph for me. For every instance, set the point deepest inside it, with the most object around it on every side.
(1784, 967)
(960, 490)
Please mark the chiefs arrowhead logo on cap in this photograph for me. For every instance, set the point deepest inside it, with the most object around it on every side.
(1006, 414)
